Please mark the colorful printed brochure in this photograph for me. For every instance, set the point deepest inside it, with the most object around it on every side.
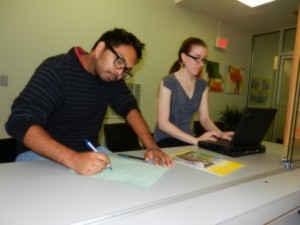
(208, 163)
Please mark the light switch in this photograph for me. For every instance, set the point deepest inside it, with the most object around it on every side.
(3, 80)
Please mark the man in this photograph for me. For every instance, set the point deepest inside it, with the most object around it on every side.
(66, 100)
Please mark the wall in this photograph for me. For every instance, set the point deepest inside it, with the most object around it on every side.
(32, 30)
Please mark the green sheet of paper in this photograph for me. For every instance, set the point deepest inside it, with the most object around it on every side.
(137, 173)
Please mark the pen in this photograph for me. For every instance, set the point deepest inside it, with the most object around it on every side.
(130, 156)
(91, 146)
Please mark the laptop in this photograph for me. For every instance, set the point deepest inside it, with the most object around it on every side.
(248, 135)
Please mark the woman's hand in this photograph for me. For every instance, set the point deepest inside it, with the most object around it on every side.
(227, 135)
(214, 136)
(209, 135)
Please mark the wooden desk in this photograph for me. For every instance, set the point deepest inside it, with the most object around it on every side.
(43, 192)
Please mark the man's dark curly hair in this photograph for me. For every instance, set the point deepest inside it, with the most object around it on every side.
(117, 37)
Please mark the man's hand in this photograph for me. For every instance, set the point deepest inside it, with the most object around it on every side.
(89, 163)
(85, 163)
(158, 157)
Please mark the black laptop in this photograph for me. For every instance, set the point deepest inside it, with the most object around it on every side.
(248, 135)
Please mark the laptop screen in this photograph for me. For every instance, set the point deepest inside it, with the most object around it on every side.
(253, 126)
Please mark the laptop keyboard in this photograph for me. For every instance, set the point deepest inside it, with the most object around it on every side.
(220, 142)
(225, 147)
(223, 142)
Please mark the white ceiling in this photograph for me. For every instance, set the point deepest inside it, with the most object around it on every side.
(265, 18)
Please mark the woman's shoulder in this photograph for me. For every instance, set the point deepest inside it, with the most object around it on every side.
(169, 79)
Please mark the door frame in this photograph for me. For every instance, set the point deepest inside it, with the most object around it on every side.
(278, 91)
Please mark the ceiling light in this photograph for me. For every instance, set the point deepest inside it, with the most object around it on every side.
(254, 3)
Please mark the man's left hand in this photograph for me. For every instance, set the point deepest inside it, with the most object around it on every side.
(159, 157)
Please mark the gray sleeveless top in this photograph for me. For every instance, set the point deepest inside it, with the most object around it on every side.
(182, 108)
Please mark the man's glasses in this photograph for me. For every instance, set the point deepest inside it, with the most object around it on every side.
(197, 59)
(120, 63)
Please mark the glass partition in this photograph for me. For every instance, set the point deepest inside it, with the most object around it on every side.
(263, 77)
(269, 83)
(289, 40)
(293, 153)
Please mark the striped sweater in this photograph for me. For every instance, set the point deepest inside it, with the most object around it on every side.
(69, 103)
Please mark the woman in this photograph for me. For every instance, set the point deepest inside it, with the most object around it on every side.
(180, 95)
